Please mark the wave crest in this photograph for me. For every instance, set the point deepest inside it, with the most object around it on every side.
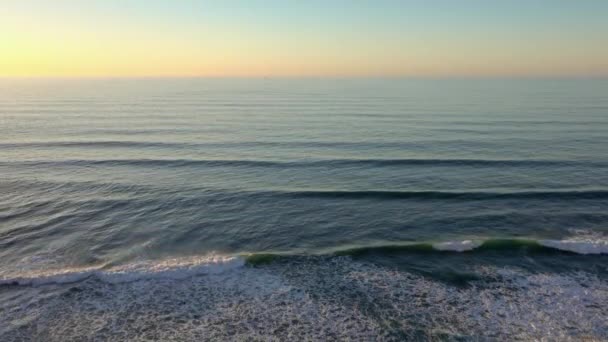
(583, 246)
(181, 268)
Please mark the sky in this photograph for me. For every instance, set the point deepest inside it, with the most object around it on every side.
(359, 38)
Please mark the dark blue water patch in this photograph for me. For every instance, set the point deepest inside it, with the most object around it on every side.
(460, 268)
(426, 258)
(508, 246)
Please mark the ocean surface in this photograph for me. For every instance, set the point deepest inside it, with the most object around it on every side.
(303, 209)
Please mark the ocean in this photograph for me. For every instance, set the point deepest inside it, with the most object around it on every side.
(303, 209)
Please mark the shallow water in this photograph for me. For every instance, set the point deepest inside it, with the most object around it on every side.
(442, 209)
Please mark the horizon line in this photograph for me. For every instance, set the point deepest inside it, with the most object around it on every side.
(329, 77)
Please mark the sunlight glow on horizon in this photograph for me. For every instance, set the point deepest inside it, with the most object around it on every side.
(69, 38)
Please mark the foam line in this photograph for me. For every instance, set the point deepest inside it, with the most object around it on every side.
(178, 268)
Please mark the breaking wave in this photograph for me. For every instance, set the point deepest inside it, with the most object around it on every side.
(583, 246)
(180, 268)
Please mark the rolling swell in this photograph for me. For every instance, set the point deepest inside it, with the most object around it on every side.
(516, 163)
(596, 194)
(181, 268)
(447, 195)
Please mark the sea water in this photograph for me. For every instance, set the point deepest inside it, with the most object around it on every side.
(289, 209)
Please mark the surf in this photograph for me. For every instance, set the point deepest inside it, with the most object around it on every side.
(186, 267)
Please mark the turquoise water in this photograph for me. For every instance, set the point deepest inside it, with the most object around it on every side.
(194, 209)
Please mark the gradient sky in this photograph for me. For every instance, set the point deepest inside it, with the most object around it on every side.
(435, 38)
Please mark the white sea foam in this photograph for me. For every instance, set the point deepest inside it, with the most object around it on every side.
(315, 299)
(457, 246)
(176, 268)
(580, 246)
